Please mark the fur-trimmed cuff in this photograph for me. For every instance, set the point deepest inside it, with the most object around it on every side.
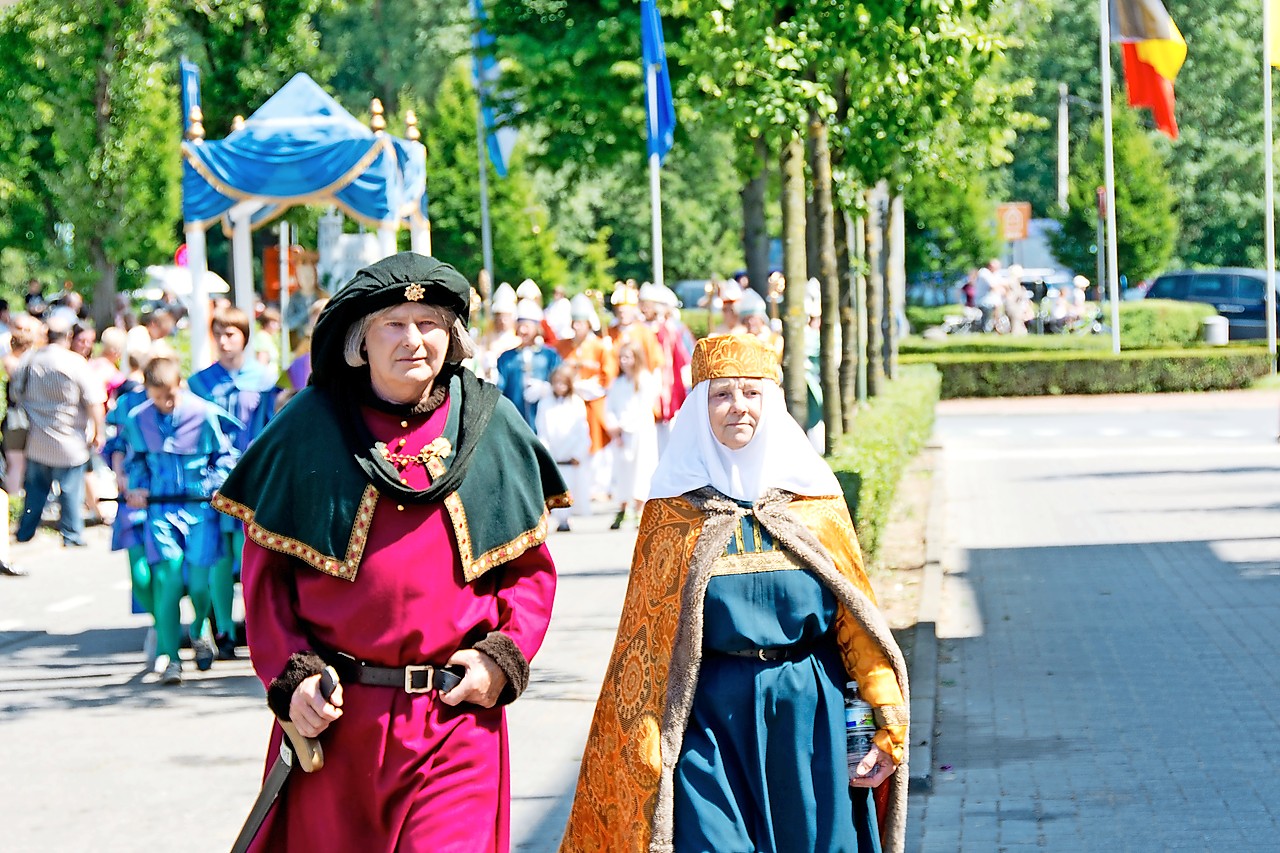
(507, 655)
(301, 666)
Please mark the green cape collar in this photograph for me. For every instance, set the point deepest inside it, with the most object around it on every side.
(308, 485)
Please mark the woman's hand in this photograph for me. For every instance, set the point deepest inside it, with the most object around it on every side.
(874, 768)
(309, 712)
(482, 683)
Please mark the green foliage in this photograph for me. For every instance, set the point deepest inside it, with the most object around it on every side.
(701, 217)
(976, 343)
(1146, 223)
(1145, 324)
(1162, 323)
(1035, 374)
(950, 223)
(1215, 167)
(887, 433)
(921, 317)
(523, 242)
(572, 70)
(95, 134)
(392, 48)
(246, 50)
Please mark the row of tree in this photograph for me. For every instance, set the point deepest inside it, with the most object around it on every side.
(831, 109)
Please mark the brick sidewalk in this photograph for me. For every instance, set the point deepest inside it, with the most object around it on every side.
(1109, 656)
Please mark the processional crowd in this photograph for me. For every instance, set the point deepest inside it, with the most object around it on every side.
(385, 502)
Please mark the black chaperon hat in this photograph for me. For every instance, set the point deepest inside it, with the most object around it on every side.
(405, 277)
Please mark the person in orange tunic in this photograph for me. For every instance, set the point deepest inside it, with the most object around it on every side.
(720, 724)
(630, 328)
(596, 363)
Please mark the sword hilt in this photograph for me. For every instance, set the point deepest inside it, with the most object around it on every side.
(307, 750)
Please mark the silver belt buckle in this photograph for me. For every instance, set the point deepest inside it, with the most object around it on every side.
(408, 678)
(761, 653)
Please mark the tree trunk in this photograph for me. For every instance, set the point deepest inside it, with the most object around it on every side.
(829, 284)
(793, 268)
(895, 282)
(104, 292)
(875, 290)
(860, 289)
(849, 355)
(755, 228)
(812, 228)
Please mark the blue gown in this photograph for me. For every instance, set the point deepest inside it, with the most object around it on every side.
(249, 396)
(185, 455)
(512, 376)
(763, 765)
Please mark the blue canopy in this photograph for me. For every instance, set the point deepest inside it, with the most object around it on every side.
(302, 147)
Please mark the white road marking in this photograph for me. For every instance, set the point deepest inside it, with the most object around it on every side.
(1113, 432)
(1264, 452)
(69, 603)
(992, 433)
(1166, 433)
(1046, 433)
(1230, 433)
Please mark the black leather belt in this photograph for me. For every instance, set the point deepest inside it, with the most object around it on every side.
(415, 678)
(779, 653)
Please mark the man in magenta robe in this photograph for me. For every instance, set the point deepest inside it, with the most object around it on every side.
(396, 513)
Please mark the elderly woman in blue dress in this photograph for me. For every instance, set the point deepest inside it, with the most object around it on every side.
(721, 724)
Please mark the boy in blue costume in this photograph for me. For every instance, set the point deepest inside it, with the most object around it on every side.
(246, 389)
(179, 454)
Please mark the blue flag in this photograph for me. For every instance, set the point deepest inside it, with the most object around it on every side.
(500, 139)
(657, 82)
(190, 76)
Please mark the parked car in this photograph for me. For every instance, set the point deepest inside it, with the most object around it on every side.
(1239, 294)
(692, 293)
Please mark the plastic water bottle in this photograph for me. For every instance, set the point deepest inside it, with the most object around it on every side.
(859, 725)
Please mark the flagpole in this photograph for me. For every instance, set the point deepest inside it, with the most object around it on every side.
(655, 167)
(482, 152)
(1113, 272)
(1268, 161)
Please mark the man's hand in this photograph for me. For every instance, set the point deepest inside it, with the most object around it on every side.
(482, 684)
(874, 768)
(308, 710)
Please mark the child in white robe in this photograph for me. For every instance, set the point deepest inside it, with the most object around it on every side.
(562, 426)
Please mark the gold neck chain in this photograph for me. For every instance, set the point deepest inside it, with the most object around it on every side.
(440, 448)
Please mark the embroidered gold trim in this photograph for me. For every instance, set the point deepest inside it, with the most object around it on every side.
(508, 552)
(345, 568)
(892, 715)
(757, 561)
(561, 501)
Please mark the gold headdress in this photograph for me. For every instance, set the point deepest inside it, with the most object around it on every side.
(734, 355)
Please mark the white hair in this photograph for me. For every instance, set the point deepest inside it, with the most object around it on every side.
(461, 346)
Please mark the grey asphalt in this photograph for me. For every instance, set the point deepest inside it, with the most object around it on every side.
(1109, 663)
(1107, 675)
(96, 759)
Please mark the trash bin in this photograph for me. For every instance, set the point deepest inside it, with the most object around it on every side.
(1215, 331)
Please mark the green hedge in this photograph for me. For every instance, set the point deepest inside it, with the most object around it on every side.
(1161, 323)
(1002, 343)
(1047, 373)
(887, 433)
(923, 317)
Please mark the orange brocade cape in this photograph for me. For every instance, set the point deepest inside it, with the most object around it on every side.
(624, 795)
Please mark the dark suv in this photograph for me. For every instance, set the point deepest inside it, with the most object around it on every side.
(1239, 294)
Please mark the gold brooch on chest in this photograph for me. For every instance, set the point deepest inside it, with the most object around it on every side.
(438, 449)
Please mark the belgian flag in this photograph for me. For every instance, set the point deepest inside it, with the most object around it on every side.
(1153, 52)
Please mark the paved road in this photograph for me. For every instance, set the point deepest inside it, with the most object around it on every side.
(1110, 657)
(94, 759)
